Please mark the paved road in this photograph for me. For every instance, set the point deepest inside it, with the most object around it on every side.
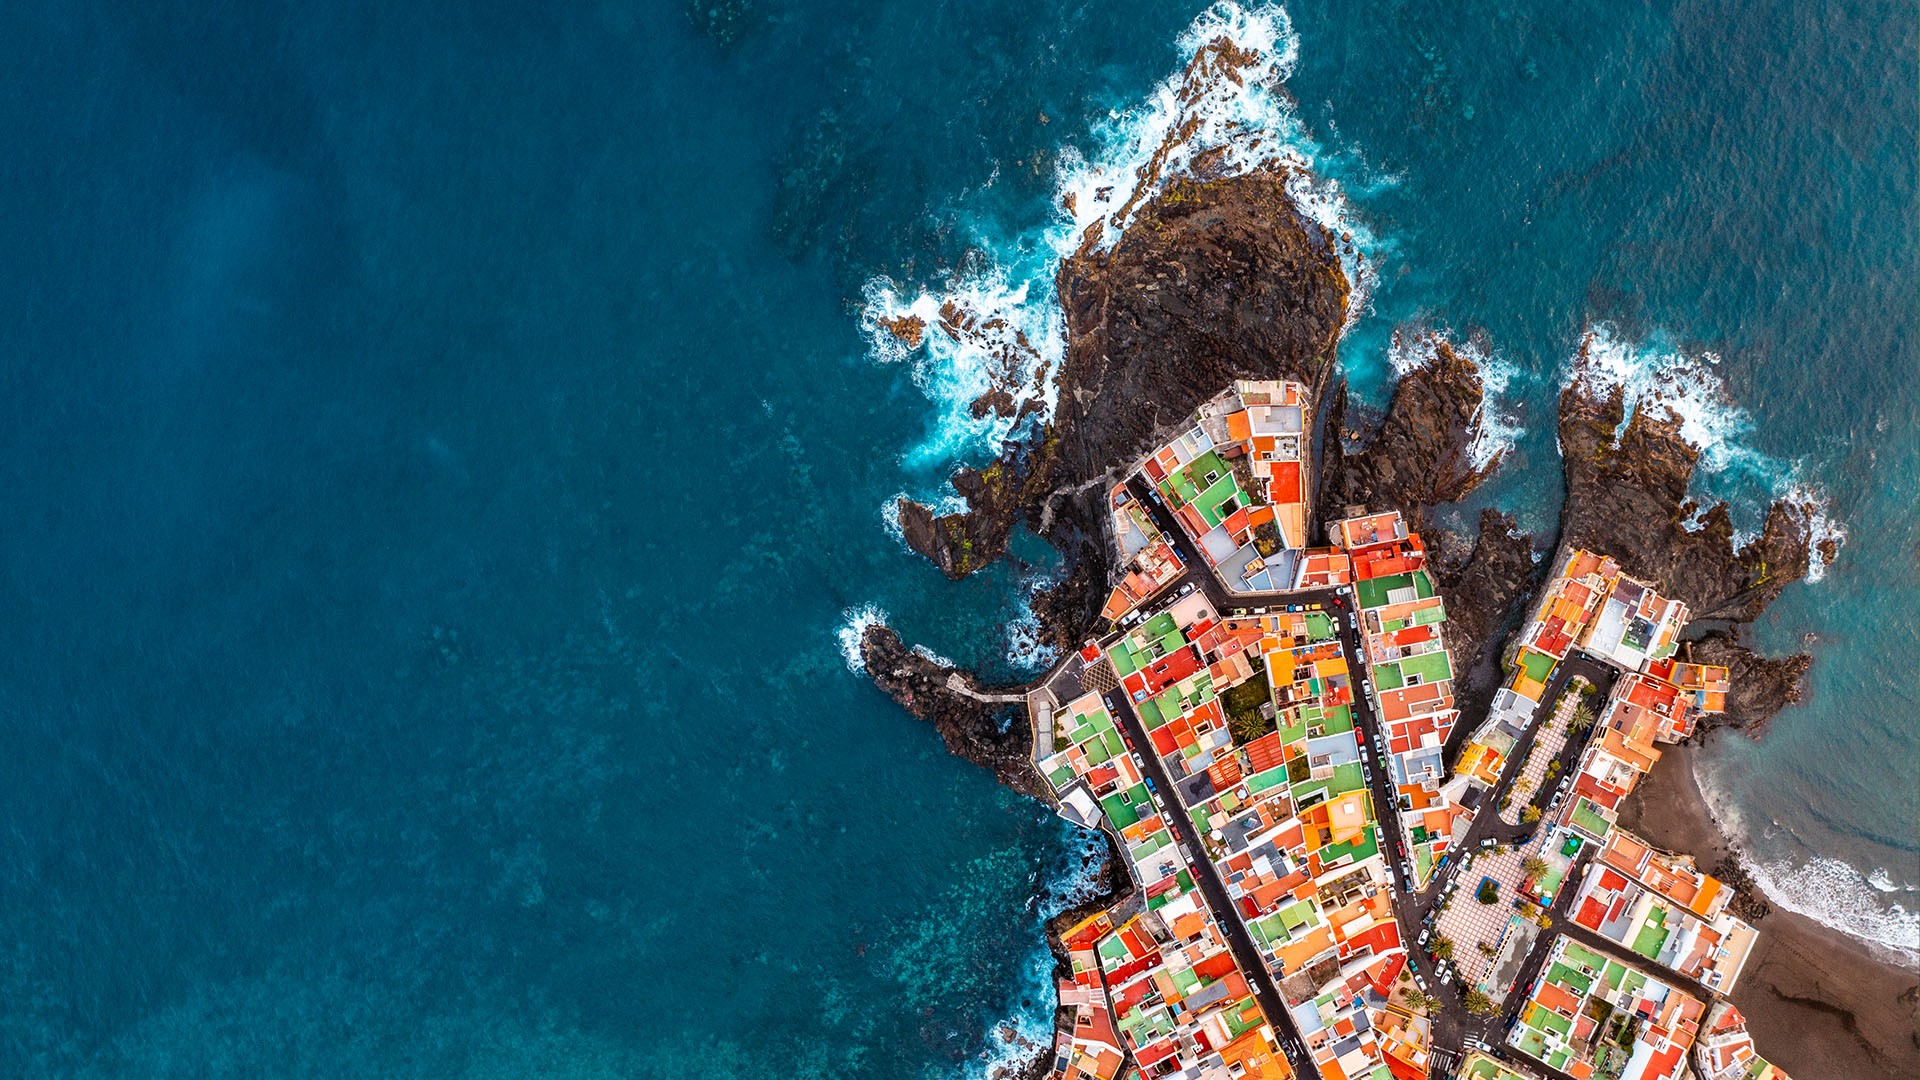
(1452, 1024)
(1207, 876)
(1456, 1024)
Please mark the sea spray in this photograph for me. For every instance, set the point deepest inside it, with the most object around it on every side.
(1496, 427)
(853, 628)
(997, 329)
(1657, 377)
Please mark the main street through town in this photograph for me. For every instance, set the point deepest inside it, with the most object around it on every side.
(1207, 876)
(1453, 1025)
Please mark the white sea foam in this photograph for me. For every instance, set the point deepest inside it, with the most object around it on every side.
(942, 503)
(1835, 894)
(1027, 651)
(1823, 531)
(1007, 330)
(1654, 376)
(1496, 426)
(1231, 106)
(1884, 882)
(928, 654)
(1827, 890)
(857, 620)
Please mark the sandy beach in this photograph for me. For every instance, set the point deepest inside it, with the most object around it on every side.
(1820, 1004)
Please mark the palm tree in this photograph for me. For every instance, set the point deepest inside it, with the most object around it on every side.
(1532, 867)
(1477, 1002)
(1442, 948)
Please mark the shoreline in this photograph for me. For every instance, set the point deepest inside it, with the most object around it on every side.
(1819, 1003)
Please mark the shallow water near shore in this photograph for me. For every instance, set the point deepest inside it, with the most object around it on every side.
(441, 449)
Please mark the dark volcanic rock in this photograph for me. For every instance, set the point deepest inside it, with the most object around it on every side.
(1627, 497)
(1215, 281)
(961, 543)
(968, 718)
(1761, 685)
(1421, 455)
(1418, 458)
(1482, 593)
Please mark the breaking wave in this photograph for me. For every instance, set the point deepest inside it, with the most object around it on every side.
(1825, 534)
(941, 503)
(1496, 426)
(1655, 376)
(1027, 649)
(857, 621)
(1834, 894)
(999, 330)
(1827, 890)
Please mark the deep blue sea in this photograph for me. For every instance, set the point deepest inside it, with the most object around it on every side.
(441, 447)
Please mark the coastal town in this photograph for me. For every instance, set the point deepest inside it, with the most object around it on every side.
(1334, 875)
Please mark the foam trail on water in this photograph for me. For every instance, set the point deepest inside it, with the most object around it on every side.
(1000, 330)
(854, 628)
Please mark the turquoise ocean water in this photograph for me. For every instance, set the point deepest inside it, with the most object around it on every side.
(441, 450)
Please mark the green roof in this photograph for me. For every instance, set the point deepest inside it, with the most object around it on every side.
(1537, 665)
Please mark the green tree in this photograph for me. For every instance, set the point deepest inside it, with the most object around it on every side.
(1487, 893)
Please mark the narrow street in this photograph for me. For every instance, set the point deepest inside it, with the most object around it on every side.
(1207, 876)
(1452, 1024)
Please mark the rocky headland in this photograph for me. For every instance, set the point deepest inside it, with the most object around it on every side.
(1220, 279)
(1627, 495)
(1215, 280)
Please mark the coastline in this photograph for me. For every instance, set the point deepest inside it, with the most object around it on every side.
(1820, 1003)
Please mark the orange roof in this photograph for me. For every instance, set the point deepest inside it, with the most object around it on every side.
(1239, 426)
